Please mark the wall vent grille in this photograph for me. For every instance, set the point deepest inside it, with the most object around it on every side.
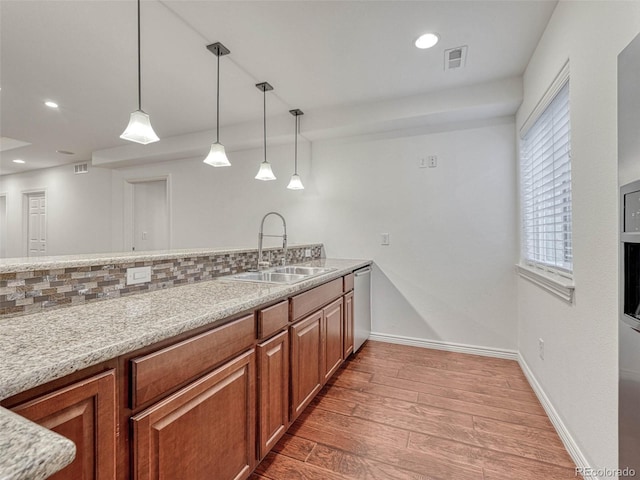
(81, 168)
(455, 58)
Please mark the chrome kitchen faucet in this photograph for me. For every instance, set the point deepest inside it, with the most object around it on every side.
(261, 235)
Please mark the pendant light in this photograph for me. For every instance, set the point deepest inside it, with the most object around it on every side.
(265, 173)
(217, 156)
(139, 129)
(296, 183)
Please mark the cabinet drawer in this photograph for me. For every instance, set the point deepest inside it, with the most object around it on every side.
(161, 371)
(272, 319)
(348, 282)
(312, 300)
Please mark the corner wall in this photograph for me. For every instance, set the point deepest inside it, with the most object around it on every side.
(580, 371)
(448, 273)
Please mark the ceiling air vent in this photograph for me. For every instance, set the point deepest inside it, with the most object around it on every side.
(81, 168)
(455, 58)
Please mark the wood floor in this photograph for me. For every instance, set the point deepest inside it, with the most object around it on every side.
(406, 413)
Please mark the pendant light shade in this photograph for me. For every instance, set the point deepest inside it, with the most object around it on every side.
(296, 183)
(265, 173)
(139, 129)
(217, 156)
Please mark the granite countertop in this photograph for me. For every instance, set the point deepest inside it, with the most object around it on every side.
(41, 347)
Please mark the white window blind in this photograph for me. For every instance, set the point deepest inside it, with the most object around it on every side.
(545, 171)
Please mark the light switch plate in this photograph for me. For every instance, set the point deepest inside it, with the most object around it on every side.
(138, 275)
(384, 239)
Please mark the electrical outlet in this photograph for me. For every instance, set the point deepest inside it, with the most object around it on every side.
(138, 275)
(384, 239)
(432, 160)
(541, 348)
(307, 252)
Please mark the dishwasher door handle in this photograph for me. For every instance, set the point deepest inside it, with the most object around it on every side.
(359, 273)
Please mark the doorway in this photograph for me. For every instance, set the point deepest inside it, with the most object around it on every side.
(147, 214)
(36, 223)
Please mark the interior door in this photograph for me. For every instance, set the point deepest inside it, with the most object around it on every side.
(150, 215)
(36, 224)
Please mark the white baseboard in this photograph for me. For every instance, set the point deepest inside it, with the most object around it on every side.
(448, 346)
(563, 432)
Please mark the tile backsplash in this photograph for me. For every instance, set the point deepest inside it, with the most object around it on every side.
(32, 291)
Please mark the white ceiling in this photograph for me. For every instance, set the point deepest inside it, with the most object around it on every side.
(317, 54)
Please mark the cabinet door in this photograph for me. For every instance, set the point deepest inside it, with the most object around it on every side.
(273, 388)
(333, 338)
(205, 430)
(348, 325)
(306, 362)
(85, 413)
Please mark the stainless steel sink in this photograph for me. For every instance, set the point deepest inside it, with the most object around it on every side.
(282, 275)
(307, 271)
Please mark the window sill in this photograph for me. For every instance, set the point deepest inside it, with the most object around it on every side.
(560, 286)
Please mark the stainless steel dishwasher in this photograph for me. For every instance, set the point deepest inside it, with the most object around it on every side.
(361, 306)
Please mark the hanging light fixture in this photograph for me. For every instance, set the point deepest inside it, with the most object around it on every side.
(217, 156)
(265, 173)
(296, 183)
(139, 129)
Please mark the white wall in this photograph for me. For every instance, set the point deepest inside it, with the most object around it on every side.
(579, 373)
(78, 209)
(3, 226)
(211, 207)
(222, 207)
(448, 273)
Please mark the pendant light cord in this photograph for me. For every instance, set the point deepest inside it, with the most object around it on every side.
(296, 155)
(139, 74)
(218, 102)
(264, 96)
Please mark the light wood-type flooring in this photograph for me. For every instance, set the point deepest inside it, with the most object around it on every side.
(395, 412)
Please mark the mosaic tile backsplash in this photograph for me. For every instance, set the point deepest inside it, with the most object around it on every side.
(26, 292)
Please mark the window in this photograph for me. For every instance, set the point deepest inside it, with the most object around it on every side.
(545, 175)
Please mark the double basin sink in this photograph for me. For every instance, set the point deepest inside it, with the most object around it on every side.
(285, 275)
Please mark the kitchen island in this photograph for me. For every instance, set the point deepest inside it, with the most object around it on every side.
(43, 347)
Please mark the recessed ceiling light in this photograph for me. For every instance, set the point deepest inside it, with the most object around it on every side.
(427, 40)
(51, 104)
(17, 160)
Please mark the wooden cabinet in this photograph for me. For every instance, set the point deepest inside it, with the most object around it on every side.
(272, 319)
(273, 391)
(333, 338)
(205, 430)
(348, 325)
(84, 412)
(307, 362)
(206, 404)
(311, 300)
(160, 372)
